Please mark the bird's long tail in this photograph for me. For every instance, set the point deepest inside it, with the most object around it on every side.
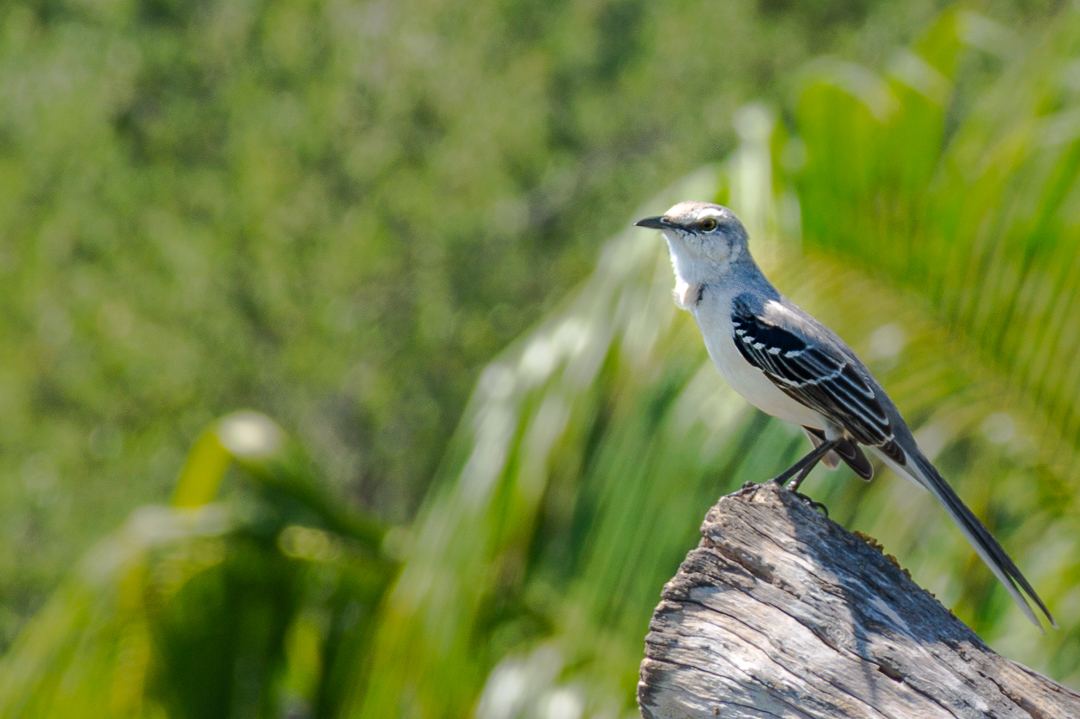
(919, 468)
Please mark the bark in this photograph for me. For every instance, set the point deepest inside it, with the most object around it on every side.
(780, 612)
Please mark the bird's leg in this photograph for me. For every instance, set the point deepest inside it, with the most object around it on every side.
(800, 469)
(793, 485)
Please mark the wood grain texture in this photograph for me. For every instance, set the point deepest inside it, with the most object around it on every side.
(780, 612)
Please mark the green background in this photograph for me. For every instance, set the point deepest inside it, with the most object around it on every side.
(353, 216)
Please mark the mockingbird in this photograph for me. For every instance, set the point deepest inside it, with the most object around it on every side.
(786, 363)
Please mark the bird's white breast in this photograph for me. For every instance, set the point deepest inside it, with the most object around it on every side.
(713, 315)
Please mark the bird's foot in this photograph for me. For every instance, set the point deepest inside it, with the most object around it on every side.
(790, 486)
(747, 488)
(812, 503)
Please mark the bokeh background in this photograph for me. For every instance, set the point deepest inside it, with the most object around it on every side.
(335, 383)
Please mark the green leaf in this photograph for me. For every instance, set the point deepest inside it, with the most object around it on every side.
(255, 606)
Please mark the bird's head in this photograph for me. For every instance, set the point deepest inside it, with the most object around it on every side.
(701, 233)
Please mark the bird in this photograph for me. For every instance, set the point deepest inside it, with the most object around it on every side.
(791, 366)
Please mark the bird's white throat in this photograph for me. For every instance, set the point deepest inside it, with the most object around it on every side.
(692, 272)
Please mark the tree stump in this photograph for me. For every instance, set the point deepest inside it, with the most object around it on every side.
(780, 612)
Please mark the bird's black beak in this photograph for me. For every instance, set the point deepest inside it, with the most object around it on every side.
(655, 223)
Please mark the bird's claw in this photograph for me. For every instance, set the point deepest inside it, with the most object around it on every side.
(745, 489)
(812, 503)
(791, 487)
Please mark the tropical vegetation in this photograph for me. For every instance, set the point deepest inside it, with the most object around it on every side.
(925, 203)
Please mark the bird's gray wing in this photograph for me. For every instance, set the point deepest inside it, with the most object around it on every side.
(815, 374)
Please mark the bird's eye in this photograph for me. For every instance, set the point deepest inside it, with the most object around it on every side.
(708, 224)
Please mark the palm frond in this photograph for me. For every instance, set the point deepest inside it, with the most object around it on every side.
(252, 607)
(592, 448)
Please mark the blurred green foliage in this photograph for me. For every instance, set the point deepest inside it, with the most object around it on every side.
(335, 212)
(257, 605)
(332, 211)
(593, 447)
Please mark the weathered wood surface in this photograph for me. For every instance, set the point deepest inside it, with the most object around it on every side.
(780, 612)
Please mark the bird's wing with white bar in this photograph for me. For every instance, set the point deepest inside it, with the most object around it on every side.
(814, 374)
